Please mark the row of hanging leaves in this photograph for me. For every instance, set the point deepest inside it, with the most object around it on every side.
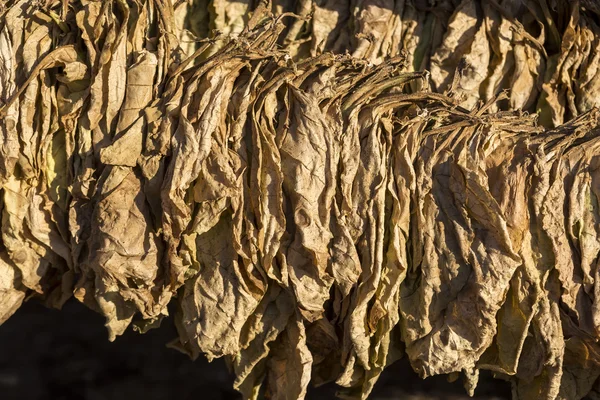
(318, 193)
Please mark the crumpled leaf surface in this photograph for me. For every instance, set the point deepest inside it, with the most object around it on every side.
(318, 189)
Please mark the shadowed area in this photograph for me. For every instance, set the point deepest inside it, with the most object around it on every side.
(50, 354)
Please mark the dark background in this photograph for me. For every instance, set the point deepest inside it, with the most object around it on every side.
(49, 354)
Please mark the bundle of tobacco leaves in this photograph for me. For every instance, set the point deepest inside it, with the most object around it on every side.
(546, 51)
(312, 216)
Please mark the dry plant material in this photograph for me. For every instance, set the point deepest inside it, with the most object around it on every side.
(314, 216)
(546, 52)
